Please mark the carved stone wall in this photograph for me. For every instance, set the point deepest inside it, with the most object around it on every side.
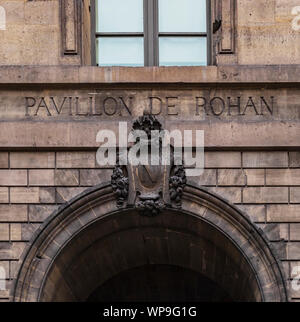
(265, 185)
(43, 32)
(50, 116)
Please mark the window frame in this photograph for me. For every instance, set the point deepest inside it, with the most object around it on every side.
(151, 33)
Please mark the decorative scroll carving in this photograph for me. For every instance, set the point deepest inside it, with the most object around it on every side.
(70, 15)
(149, 188)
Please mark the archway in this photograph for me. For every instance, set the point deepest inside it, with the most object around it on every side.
(90, 244)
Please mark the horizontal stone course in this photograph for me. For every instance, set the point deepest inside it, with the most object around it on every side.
(232, 194)
(231, 177)
(13, 177)
(27, 230)
(228, 135)
(4, 232)
(16, 232)
(283, 177)
(93, 177)
(295, 195)
(53, 177)
(3, 160)
(256, 213)
(294, 159)
(84, 159)
(32, 160)
(39, 213)
(41, 177)
(207, 178)
(294, 269)
(255, 177)
(65, 194)
(293, 251)
(235, 74)
(35, 195)
(295, 232)
(25, 195)
(13, 213)
(265, 195)
(275, 159)
(222, 159)
(283, 213)
(66, 178)
(11, 250)
(276, 232)
(4, 195)
(5, 265)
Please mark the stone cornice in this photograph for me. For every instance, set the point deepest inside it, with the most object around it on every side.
(85, 75)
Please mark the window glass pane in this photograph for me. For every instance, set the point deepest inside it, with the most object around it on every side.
(119, 16)
(120, 51)
(182, 15)
(182, 51)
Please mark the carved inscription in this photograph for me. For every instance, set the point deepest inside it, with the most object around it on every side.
(124, 106)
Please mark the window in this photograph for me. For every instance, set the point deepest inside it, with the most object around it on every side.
(151, 32)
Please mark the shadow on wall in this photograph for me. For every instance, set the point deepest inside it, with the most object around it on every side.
(2, 18)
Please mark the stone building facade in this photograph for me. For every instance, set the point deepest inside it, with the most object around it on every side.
(239, 225)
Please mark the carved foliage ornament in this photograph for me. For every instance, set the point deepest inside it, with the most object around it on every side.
(149, 188)
(119, 183)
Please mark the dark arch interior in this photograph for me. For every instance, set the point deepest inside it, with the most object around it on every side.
(171, 257)
(159, 283)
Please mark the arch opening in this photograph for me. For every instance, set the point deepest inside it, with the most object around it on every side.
(102, 253)
(207, 251)
(155, 283)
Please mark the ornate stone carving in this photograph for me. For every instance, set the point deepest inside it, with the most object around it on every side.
(149, 188)
(149, 207)
(177, 184)
(147, 123)
(119, 183)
